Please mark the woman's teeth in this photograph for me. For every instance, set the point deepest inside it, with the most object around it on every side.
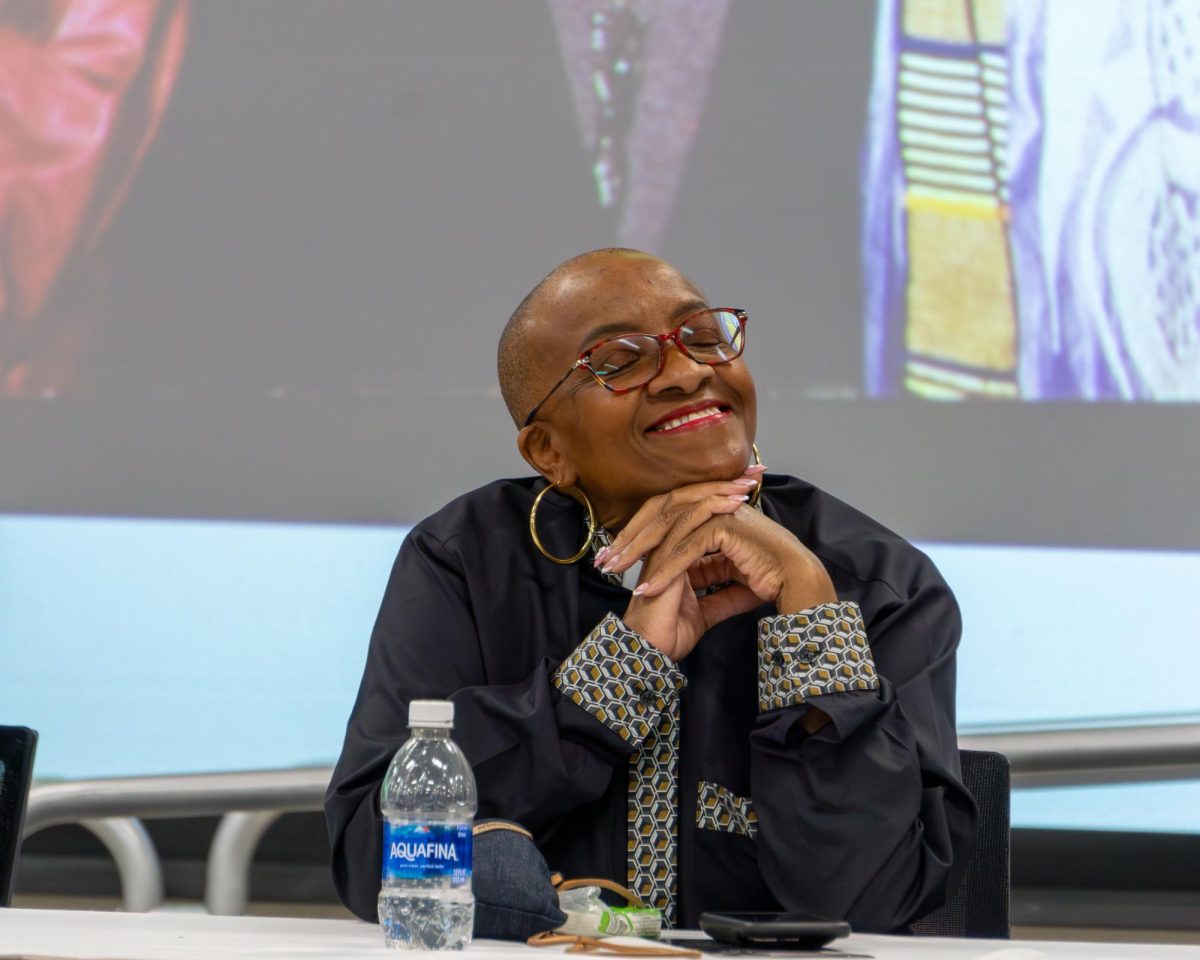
(688, 418)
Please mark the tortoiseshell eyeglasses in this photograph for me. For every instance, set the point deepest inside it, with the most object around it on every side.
(620, 364)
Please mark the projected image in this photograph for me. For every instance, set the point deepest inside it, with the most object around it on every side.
(1032, 200)
(1029, 196)
(83, 87)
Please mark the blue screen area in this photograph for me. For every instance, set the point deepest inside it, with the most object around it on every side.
(147, 646)
(1074, 636)
(150, 646)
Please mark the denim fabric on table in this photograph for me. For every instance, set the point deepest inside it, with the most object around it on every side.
(514, 898)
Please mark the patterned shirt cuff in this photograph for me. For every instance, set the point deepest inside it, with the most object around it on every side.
(620, 679)
(808, 654)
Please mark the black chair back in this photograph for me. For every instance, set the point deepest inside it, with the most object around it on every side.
(17, 745)
(979, 907)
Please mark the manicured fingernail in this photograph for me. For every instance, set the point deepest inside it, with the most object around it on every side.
(640, 589)
(600, 555)
(610, 563)
(738, 498)
(746, 482)
(756, 468)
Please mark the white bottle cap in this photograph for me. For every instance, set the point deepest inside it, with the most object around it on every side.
(431, 713)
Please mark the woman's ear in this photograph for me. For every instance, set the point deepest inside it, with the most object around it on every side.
(541, 450)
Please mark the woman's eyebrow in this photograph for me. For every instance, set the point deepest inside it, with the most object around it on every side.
(596, 334)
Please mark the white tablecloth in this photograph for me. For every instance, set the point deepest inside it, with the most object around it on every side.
(85, 935)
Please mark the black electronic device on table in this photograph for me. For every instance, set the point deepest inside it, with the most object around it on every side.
(772, 930)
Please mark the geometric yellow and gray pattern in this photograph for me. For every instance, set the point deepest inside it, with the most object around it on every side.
(723, 810)
(633, 689)
(652, 830)
(620, 679)
(814, 652)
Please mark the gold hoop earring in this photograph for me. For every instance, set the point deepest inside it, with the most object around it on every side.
(537, 541)
(754, 497)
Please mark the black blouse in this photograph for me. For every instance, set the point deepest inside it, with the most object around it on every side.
(865, 820)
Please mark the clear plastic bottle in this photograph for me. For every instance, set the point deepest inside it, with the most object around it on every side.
(428, 805)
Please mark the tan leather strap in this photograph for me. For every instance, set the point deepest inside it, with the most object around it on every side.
(577, 944)
(506, 825)
(632, 898)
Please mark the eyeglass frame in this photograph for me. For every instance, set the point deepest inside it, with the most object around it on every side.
(661, 338)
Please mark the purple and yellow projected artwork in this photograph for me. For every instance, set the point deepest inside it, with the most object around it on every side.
(1031, 200)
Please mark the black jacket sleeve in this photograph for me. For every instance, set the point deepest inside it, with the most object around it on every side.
(867, 819)
(536, 755)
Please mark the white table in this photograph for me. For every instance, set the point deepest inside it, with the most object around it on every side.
(85, 935)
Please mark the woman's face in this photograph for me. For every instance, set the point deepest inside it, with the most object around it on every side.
(625, 448)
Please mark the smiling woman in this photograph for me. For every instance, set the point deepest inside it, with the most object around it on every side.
(603, 427)
(731, 701)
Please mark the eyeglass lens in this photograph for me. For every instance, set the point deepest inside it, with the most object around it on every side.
(630, 360)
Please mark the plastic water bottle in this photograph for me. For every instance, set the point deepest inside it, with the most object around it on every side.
(428, 804)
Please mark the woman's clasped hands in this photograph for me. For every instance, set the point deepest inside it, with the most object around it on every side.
(705, 535)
